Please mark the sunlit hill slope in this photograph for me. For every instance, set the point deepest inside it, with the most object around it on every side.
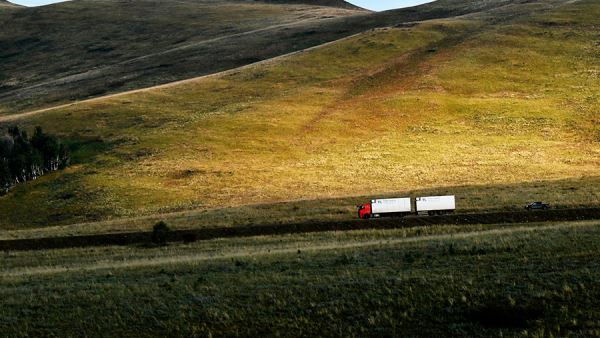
(504, 96)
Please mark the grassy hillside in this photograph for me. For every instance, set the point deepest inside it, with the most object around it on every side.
(6, 5)
(50, 56)
(527, 280)
(498, 107)
(469, 101)
(126, 49)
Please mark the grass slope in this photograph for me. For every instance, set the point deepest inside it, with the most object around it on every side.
(65, 60)
(143, 43)
(436, 281)
(441, 104)
(7, 5)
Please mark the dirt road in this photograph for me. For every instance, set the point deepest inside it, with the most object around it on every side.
(306, 227)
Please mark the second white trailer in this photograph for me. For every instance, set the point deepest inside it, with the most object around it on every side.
(435, 204)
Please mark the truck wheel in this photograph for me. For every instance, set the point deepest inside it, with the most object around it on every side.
(366, 216)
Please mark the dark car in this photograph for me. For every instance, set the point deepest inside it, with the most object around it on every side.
(537, 206)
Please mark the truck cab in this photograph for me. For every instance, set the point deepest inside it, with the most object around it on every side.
(364, 211)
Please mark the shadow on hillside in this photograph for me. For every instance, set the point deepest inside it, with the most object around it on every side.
(561, 194)
(565, 193)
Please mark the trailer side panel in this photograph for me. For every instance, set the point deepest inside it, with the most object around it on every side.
(435, 203)
(390, 205)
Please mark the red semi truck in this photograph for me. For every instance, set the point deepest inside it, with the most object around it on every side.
(429, 205)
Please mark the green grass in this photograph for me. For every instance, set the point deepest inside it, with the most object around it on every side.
(497, 108)
(433, 281)
(387, 112)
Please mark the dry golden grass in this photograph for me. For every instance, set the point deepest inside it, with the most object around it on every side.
(387, 112)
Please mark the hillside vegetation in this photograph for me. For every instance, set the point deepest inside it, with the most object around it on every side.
(49, 54)
(493, 101)
(505, 98)
(6, 5)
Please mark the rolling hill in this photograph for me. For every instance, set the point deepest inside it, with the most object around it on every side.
(5, 4)
(502, 101)
(493, 101)
(136, 44)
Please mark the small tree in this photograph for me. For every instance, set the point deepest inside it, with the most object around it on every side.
(160, 233)
(5, 176)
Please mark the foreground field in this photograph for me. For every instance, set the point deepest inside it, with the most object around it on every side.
(528, 280)
(506, 98)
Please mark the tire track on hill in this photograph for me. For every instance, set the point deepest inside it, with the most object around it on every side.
(385, 19)
(106, 69)
(265, 252)
(19, 116)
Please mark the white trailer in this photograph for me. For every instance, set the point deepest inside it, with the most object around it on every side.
(435, 204)
(388, 206)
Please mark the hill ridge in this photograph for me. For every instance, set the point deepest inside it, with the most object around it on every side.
(328, 3)
(5, 3)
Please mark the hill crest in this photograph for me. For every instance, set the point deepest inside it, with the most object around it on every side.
(326, 3)
(4, 3)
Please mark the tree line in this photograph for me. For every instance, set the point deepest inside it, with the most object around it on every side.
(24, 158)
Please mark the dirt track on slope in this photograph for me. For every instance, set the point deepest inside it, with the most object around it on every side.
(18, 116)
(306, 227)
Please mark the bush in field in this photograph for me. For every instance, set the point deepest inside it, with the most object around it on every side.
(160, 233)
